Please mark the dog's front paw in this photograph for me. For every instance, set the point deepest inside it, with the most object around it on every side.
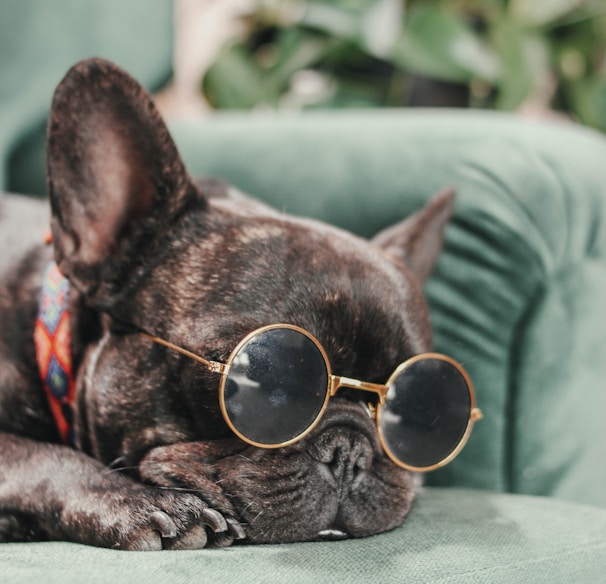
(142, 518)
(173, 521)
(187, 468)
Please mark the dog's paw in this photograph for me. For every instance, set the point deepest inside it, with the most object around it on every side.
(126, 515)
(185, 469)
(174, 521)
(14, 527)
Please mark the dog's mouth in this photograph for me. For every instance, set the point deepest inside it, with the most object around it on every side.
(334, 484)
(332, 535)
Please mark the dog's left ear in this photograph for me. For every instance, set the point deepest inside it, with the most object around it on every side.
(417, 240)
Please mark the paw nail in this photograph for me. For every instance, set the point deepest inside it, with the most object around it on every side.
(236, 529)
(214, 520)
(163, 523)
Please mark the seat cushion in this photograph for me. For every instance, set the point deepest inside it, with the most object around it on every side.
(450, 536)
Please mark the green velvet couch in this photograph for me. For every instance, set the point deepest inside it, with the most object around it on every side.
(519, 297)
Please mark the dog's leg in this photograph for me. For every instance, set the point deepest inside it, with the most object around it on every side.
(49, 491)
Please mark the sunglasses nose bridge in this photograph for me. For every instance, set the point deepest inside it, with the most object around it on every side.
(338, 381)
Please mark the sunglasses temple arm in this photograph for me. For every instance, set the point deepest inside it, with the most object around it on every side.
(213, 366)
(336, 382)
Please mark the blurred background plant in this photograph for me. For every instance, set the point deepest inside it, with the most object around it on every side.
(538, 55)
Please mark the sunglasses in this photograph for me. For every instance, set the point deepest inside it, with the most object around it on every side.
(277, 382)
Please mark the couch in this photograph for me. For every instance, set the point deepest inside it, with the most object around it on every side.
(518, 296)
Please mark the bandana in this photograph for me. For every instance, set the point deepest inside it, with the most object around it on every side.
(52, 337)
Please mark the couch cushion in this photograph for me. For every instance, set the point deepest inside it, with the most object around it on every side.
(518, 296)
(450, 536)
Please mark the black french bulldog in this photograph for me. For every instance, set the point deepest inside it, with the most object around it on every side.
(154, 465)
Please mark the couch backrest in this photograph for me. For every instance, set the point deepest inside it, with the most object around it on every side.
(40, 40)
(519, 295)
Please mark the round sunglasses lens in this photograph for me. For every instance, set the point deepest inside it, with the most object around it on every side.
(276, 387)
(426, 412)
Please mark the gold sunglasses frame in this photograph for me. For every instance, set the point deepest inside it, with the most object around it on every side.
(335, 382)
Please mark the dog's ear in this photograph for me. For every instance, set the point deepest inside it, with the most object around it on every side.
(417, 240)
(115, 178)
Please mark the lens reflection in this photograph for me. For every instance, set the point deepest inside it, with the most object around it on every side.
(277, 386)
(426, 412)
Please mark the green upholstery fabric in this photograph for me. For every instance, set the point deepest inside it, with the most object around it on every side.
(451, 536)
(519, 293)
(40, 40)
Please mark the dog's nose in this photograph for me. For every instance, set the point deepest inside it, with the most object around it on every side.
(344, 455)
(344, 444)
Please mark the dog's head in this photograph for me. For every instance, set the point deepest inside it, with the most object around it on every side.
(146, 247)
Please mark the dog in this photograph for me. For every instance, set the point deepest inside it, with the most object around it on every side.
(147, 461)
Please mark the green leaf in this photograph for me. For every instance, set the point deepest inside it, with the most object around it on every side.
(588, 101)
(441, 44)
(331, 20)
(524, 63)
(296, 49)
(537, 13)
(348, 5)
(380, 27)
(234, 81)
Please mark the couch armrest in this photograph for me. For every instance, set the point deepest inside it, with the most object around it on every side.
(41, 40)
